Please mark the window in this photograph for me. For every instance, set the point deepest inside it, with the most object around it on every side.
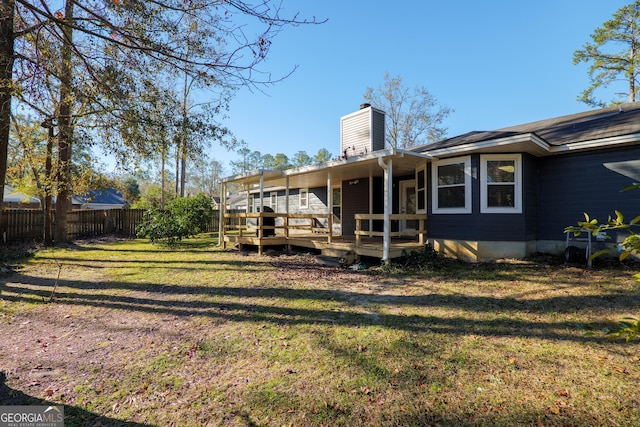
(421, 191)
(274, 201)
(500, 178)
(252, 203)
(336, 199)
(452, 185)
(304, 198)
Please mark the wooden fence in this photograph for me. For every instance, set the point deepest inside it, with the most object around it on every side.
(90, 222)
(28, 224)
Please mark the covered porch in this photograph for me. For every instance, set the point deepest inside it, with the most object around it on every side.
(369, 220)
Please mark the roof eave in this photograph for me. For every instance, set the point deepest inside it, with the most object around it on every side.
(613, 141)
(534, 144)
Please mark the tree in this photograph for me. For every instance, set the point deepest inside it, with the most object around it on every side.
(204, 177)
(322, 156)
(29, 165)
(413, 117)
(613, 55)
(108, 42)
(131, 189)
(301, 158)
(281, 162)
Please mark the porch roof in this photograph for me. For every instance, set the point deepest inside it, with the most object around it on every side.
(344, 169)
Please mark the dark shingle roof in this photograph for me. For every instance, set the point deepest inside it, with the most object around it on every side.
(107, 196)
(586, 126)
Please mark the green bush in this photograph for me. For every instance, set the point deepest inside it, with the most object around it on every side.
(184, 217)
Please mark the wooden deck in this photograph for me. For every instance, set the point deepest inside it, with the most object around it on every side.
(239, 231)
(340, 246)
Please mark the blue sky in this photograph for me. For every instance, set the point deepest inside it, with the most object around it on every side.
(496, 63)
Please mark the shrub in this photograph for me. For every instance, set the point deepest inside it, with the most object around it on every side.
(184, 217)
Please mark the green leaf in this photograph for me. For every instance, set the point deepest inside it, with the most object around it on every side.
(619, 217)
(631, 187)
(597, 254)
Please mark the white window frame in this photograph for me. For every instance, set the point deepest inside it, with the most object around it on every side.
(252, 204)
(421, 189)
(273, 200)
(517, 177)
(304, 201)
(466, 209)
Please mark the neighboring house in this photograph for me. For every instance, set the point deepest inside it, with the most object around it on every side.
(236, 201)
(108, 198)
(16, 200)
(484, 195)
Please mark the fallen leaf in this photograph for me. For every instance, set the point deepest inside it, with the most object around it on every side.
(366, 390)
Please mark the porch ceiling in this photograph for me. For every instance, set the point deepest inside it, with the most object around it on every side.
(404, 163)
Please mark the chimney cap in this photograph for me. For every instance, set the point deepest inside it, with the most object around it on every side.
(364, 105)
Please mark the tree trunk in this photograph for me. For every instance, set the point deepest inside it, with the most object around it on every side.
(64, 130)
(632, 73)
(178, 151)
(162, 177)
(48, 235)
(6, 87)
(183, 168)
(183, 151)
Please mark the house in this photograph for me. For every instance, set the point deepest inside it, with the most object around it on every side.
(107, 198)
(484, 195)
(14, 199)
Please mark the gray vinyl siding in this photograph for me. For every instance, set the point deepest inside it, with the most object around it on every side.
(362, 132)
(477, 226)
(572, 184)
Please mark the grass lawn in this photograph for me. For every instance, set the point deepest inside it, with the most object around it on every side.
(127, 333)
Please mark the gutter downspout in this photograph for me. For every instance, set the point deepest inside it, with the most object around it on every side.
(388, 206)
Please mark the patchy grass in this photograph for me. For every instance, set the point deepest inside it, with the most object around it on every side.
(135, 334)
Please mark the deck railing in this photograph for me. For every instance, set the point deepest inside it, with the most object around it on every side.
(420, 231)
(255, 224)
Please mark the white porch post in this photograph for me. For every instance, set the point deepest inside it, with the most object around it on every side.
(246, 187)
(222, 209)
(261, 190)
(286, 196)
(329, 206)
(388, 206)
(286, 210)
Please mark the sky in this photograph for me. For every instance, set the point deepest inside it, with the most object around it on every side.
(495, 63)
